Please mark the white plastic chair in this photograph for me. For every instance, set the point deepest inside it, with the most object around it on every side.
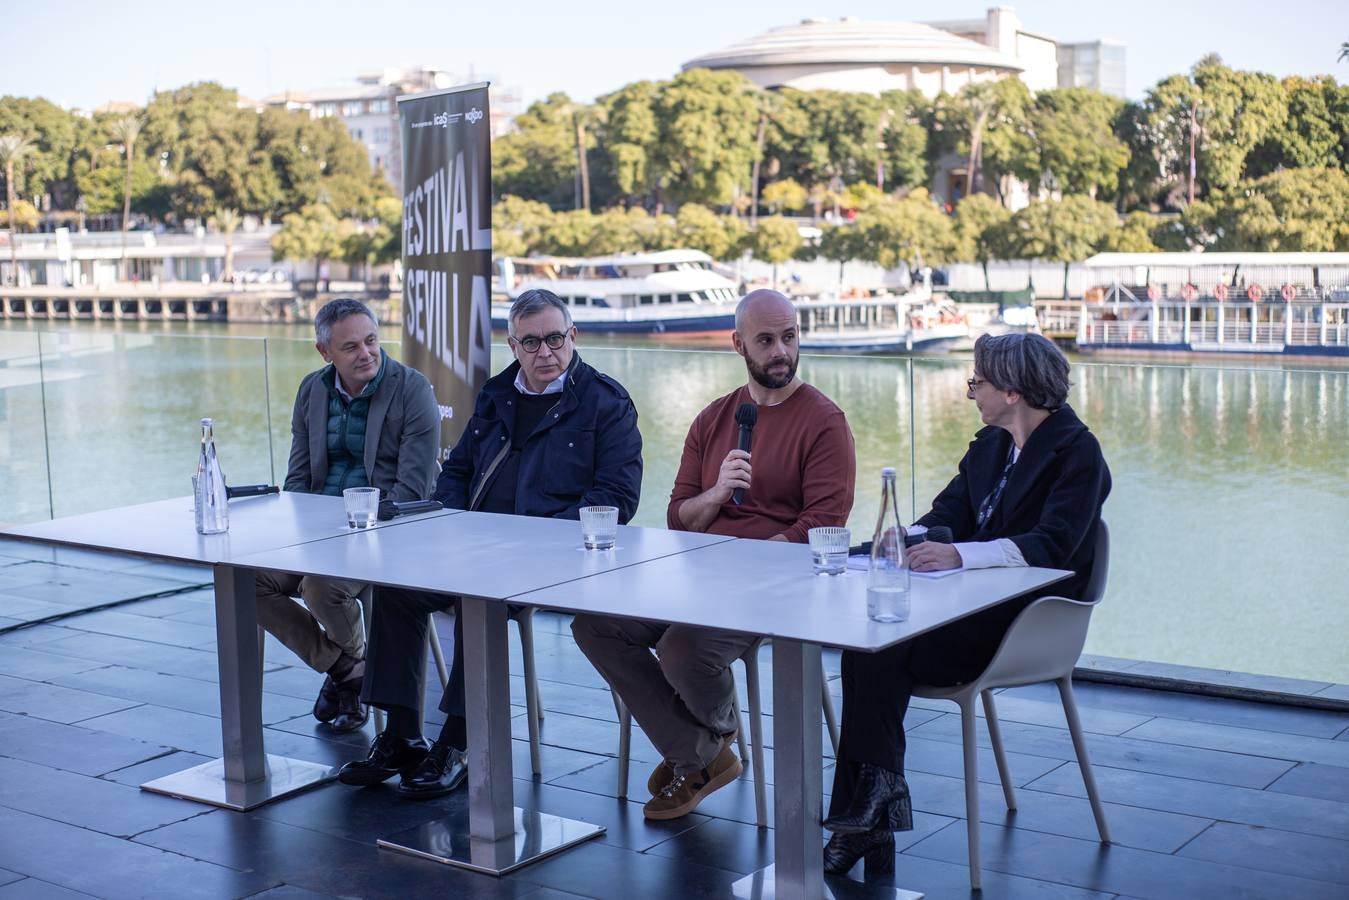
(1042, 644)
(751, 663)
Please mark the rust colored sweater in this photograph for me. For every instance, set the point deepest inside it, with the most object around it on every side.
(803, 459)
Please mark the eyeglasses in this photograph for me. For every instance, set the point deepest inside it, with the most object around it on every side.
(975, 382)
(531, 344)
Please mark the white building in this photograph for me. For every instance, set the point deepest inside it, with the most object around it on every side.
(369, 108)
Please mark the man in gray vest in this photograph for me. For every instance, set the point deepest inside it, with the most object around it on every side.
(363, 420)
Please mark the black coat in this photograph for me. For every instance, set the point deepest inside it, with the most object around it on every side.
(1051, 503)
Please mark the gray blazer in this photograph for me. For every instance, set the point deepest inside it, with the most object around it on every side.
(402, 435)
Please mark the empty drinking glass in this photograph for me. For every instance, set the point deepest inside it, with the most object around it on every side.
(362, 506)
(829, 549)
(599, 527)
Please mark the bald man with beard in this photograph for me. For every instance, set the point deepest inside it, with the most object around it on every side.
(799, 475)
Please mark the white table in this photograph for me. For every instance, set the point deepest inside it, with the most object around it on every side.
(246, 776)
(484, 559)
(767, 588)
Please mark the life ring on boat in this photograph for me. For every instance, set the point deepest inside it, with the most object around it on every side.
(1189, 291)
(1220, 292)
(1154, 292)
(1287, 292)
(1254, 293)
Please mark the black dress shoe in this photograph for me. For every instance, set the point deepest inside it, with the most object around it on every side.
(844, 850)
(880, 801)
(325, 707)
(443, 770)
(388, 757)
(351, 712)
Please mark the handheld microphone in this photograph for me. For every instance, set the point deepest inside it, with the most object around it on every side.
(250, 490)
(745, 417)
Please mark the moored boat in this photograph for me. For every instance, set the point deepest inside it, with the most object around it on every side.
(676, 292)
(887, 323)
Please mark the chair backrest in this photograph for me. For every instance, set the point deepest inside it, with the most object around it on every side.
(1043, 643)
(1100, 566)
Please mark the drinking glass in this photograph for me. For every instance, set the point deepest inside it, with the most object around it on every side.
(599, 527)
(829, 549)
(362, 505)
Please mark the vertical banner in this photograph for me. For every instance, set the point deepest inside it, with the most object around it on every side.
(447, 246)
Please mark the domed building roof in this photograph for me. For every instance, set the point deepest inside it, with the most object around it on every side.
(850, 42)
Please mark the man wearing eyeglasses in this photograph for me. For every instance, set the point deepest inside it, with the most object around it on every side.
(548, 435)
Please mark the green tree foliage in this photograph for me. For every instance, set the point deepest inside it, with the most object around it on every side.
(1134, 235)
(538, 160)
(1290, 210)
(628, 131)
(102, 188)
(910, 231)
(314, 232)
(977, 220)
(698, 228)
(1079, 152)
(1311, 137)
(775, 240)
(519, 227)
(706, 142)
(1067, 231)
(782, 195)
(51, 135)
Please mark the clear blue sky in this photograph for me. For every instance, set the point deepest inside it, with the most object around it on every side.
(83, 53)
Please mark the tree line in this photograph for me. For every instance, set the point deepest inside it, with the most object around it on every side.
(707, 160)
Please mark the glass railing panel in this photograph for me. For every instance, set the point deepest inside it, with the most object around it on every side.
(123, 410)
(23, 446)
(1228, 510)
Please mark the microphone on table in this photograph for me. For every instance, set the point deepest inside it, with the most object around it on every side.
(250, 490)
(745, 417)
(389, 509)
(937, 534)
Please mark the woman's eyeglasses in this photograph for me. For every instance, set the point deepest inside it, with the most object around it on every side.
(975, 382)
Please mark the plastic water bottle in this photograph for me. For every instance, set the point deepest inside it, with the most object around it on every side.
(209, 500)
(888, 574)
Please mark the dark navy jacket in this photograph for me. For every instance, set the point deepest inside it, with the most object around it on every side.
(1051, 503)
(587, 451)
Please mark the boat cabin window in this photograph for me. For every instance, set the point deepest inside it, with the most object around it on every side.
(665, 298)
(685, 298)
(646, 300)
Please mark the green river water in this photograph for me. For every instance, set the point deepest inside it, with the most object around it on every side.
(1229, 514)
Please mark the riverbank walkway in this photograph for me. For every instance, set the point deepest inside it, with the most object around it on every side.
(107, 680)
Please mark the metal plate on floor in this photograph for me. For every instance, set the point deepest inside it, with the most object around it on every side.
(447, 841)
(206, 783)
(761, 885)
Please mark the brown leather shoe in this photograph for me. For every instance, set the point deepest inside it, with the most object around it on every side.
(684, 792)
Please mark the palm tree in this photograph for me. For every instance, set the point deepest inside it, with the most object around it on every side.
(227, 220)
(979, 102)
(1344, 52)
(13, 148)
(126, 129)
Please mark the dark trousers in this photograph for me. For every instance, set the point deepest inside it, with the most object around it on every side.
(395, 666)
(877, 688)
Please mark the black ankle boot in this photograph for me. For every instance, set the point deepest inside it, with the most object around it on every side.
(844, 850)
(880, 801)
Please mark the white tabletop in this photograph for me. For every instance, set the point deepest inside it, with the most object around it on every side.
(165, 529)
(477, 554)
(768, 588)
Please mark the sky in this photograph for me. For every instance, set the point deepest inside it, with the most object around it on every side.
(79, 53)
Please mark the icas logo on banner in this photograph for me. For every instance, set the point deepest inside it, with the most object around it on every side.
(447, 246)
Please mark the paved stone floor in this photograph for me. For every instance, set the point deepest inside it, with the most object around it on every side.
(1206, 797)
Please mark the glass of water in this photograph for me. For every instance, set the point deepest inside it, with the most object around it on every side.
(829, 549)
(362, 506)
(599, 527)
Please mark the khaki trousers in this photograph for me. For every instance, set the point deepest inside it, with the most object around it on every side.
(326, 626)
(683, 695)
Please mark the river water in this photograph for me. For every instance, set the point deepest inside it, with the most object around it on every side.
(1229, 513)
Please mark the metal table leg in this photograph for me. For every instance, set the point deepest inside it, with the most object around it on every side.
(798, 873)
(247, 776)
(496, 837)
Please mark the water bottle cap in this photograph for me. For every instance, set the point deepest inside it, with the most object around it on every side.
(206, 423)
(888, 472)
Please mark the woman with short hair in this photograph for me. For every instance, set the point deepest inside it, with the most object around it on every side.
(1028, 492)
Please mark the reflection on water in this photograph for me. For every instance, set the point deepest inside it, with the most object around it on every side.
(1228, 513)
